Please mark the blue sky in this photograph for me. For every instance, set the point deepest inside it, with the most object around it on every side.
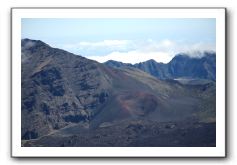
(128, 40)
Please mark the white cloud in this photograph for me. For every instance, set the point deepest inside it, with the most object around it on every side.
(100, 44)
(155, 46)
(194, 50)
(129, 51)
(28, 44)
(106, 43)
(167, 43)
(133, 57)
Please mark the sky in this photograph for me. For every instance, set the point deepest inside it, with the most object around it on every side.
(129, 40)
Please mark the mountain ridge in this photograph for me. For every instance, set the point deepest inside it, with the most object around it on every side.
(66, 95)
(181, 66)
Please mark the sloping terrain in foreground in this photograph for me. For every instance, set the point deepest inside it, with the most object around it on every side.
(68, 100)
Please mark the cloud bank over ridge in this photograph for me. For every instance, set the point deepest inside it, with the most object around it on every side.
(135, 51)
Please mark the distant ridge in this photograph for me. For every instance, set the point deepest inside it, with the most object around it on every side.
(181, 66)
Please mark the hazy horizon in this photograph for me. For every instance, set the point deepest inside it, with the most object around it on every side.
(126, 40)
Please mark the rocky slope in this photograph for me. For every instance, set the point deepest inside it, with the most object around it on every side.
(181, 66)
(66, 95)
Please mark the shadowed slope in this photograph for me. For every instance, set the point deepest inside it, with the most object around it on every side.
(64, 94)
(181, 66)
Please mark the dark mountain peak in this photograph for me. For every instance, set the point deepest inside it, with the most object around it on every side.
(28, 43)
(39, 49)
(210, 55)
(117, 64)
(151, 61)
(147, 63)
(181, 56)
(196, 55)
(30, 48)
(202, 66)
(113, 61)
